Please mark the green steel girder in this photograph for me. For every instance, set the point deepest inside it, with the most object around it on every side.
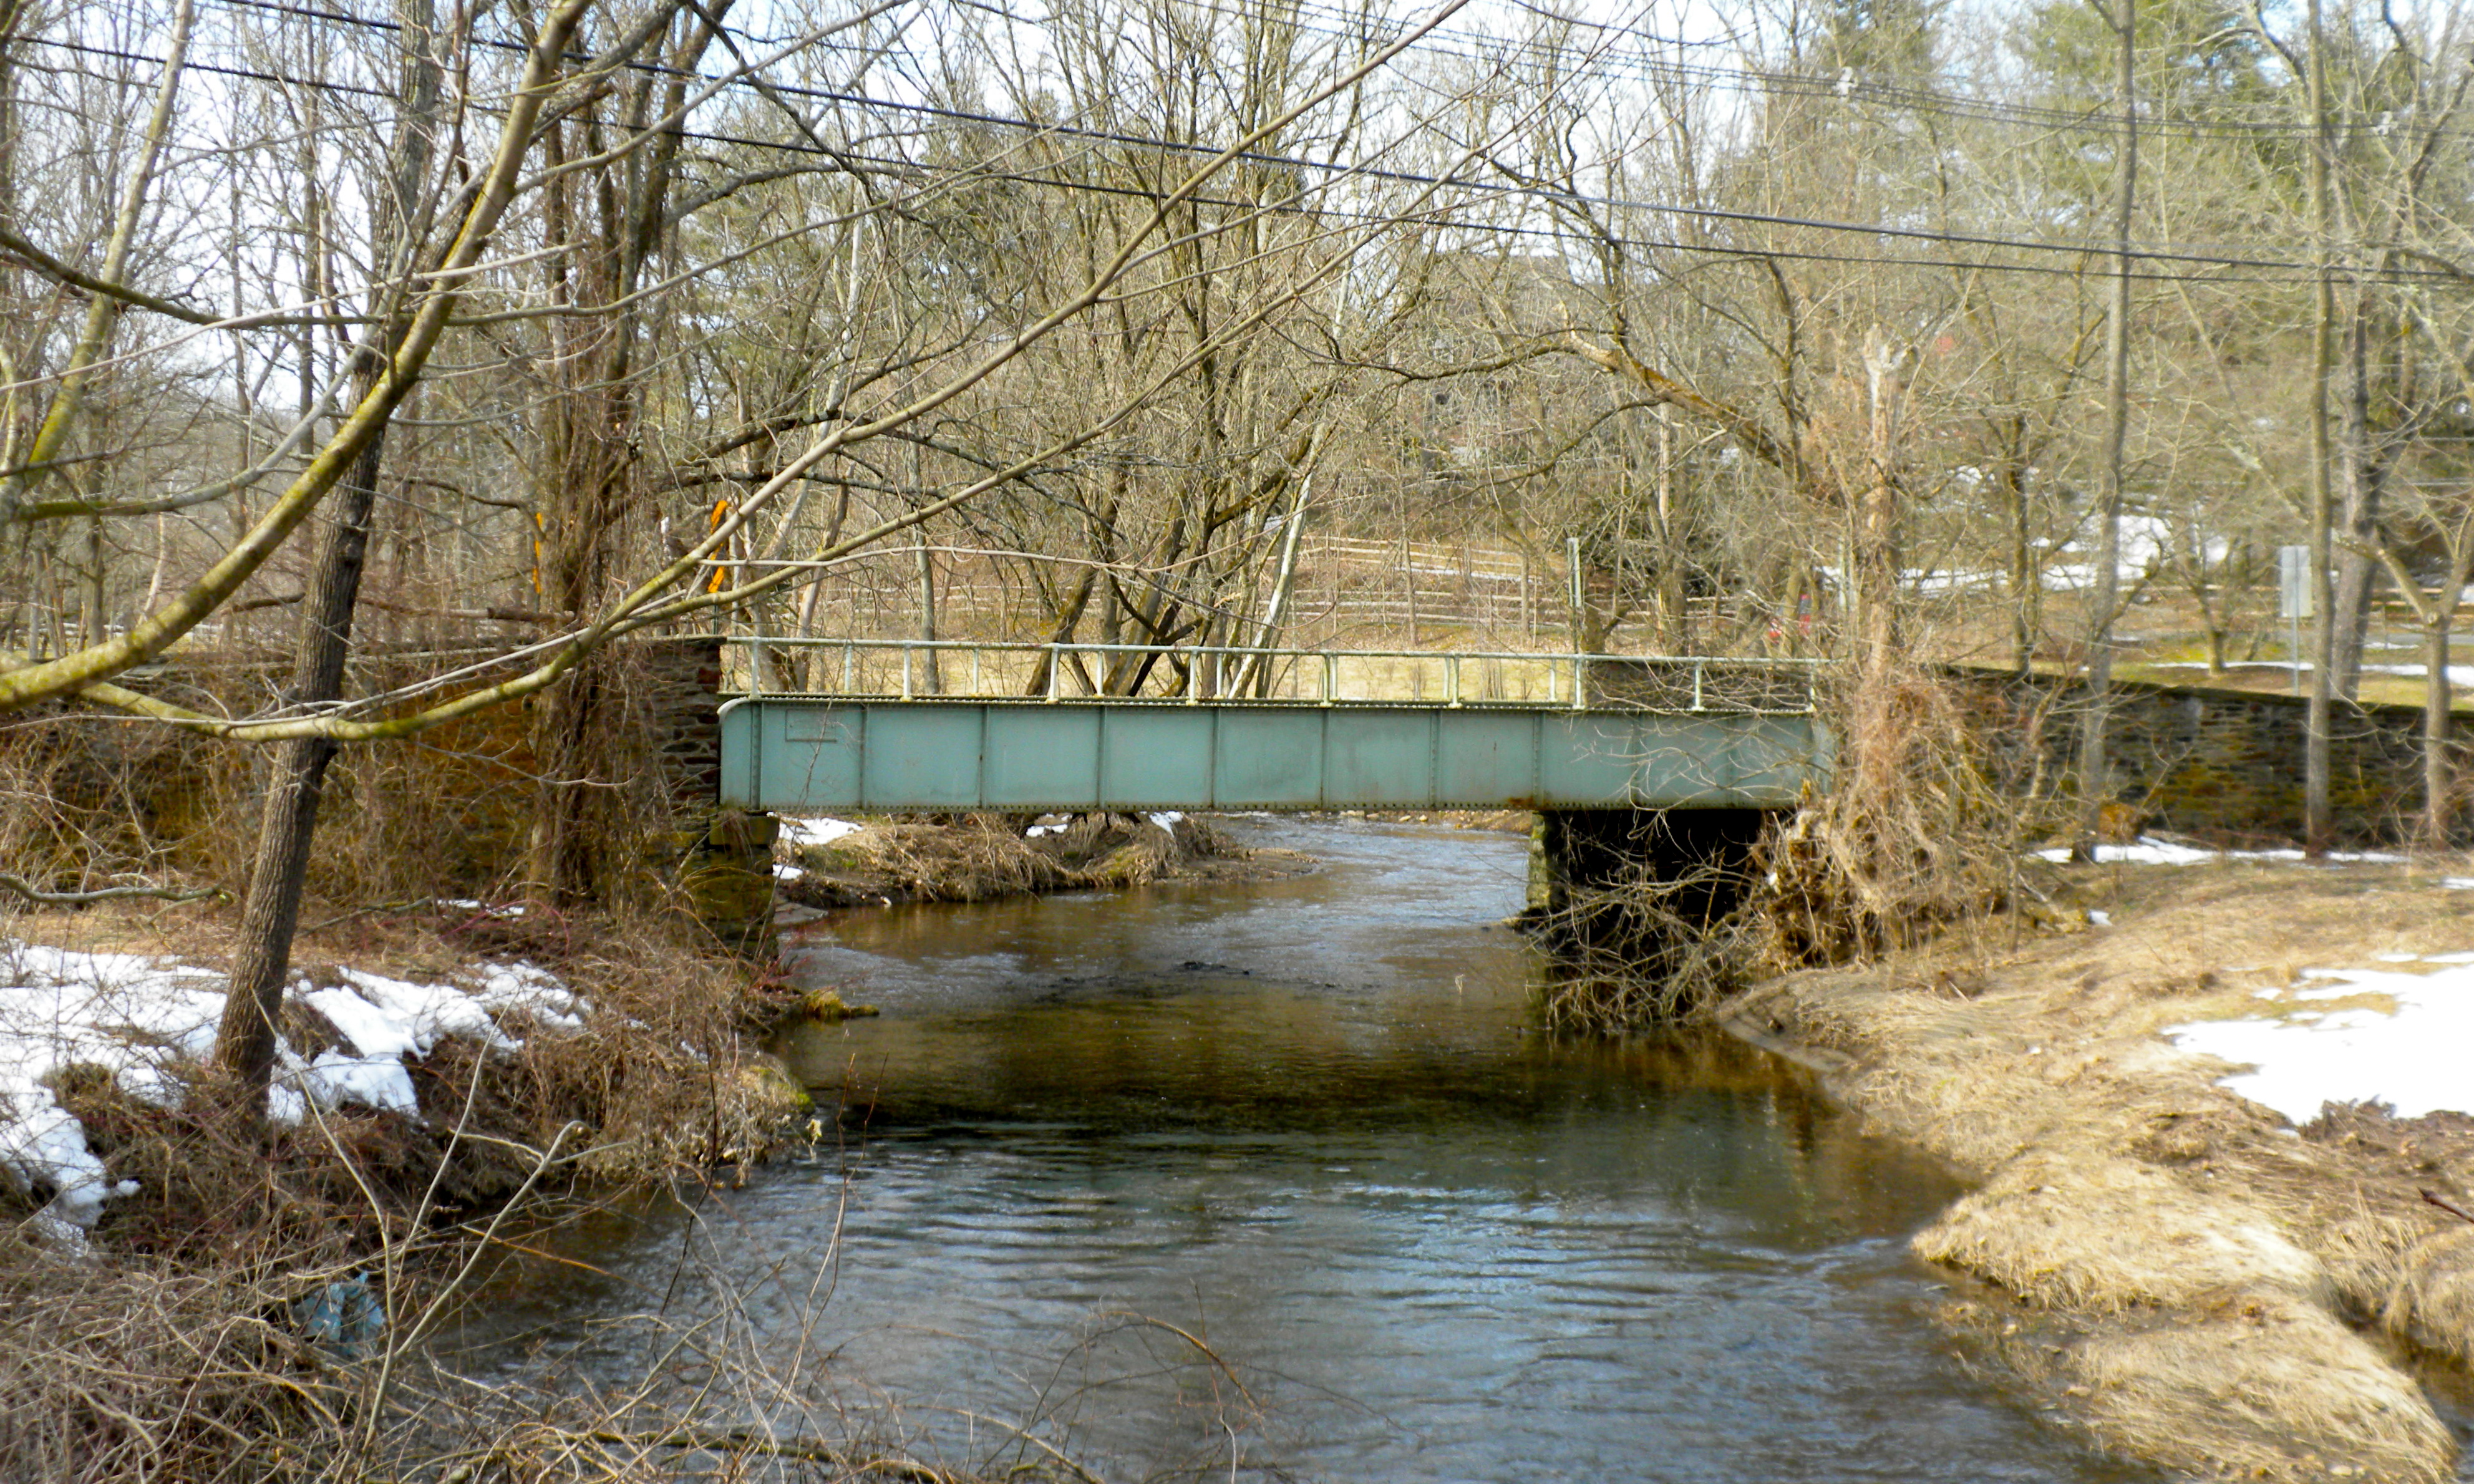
(805, 754)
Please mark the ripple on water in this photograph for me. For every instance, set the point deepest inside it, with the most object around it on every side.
(1314, 1123)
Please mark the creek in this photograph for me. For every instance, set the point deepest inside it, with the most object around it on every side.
(1283, 1178)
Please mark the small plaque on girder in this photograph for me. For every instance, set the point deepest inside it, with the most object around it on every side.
(816, 726)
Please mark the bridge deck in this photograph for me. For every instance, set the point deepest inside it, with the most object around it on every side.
(821, 753)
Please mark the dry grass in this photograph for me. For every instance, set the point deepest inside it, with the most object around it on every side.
(119, 1367)
(166, 1348)
(91, 798)
(974, 857)
(2180, 1273)
(133, 1369)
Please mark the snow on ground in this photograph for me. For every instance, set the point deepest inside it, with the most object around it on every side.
(2308, 1052)
(816, 832)
(141, 1020)
(2457, 674)
(2147, 850)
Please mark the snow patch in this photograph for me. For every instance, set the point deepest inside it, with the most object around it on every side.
(141, 1020)
(818, 831)
(1165, 819)
(2306, 1053)
(2150, 851)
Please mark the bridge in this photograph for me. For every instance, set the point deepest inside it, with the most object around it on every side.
(887, 726)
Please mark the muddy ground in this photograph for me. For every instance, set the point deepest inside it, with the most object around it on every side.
(2173, 1271)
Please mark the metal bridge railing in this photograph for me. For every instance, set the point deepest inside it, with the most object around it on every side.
(920, 669)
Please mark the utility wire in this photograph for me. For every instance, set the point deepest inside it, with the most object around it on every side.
(1846, 85)
(2209, 255)
(2250, 263)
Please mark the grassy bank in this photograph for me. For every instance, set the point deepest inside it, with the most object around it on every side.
(2172, 1269)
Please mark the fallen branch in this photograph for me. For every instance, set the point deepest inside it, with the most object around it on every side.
(2431, 1197)
(34, 894)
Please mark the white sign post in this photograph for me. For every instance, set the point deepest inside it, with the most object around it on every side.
(2294, 599)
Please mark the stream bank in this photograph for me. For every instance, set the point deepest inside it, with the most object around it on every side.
(190, 1296)
(2172, 1269)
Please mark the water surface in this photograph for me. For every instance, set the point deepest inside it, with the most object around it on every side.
(1399, 1232)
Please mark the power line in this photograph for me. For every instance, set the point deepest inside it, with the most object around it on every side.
(2253, 267)
(2211, 255)
(1847, 85)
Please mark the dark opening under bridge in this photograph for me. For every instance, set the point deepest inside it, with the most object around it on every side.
(906, 730)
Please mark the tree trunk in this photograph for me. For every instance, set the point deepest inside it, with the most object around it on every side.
(2438, 777)
(1255, 674)
(1673, 635)
(2027, 582)
(270, 911)
(588, 485)
(2359, 513)
(2095, 768)
(1069, 617)
(2318, 825)
(932, 676)
(1876, 523)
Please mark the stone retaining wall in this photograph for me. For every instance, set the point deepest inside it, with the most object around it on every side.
(721, 857)
(2221, 764)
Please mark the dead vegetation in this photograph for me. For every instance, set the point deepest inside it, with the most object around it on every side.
(2164, 1262)
(174, 1343)
(120, 1366)
(1923, 832)
(1656, 945)
(974, 857)
(169, 1344)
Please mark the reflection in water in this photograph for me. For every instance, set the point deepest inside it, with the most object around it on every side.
(1400, 1234)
